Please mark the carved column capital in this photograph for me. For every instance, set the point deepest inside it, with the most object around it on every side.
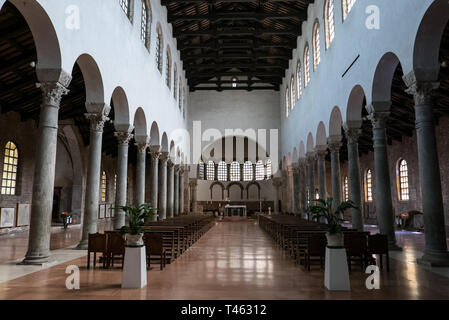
(170, 163)
(52, 93)
(311, 157)
(142, 147)
(352, 134)
(154, 155)
(302, 163)
(193, 183)
(334, 144)
(123, 137)
(422, 92)
(379, 119)
(164, 157)
(97, 120)
(177, 169)
(321, 154)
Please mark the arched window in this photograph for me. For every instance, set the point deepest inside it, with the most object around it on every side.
(287, 108)
(126, 7)
(292, 92)
(347, 6)
(10, 166)
(306, 66)
(234, 171)
(168, 69)
(145, 26)
(248, 173)
(104, 186)
(175, 84)
(269, 169)
(260, 170)
(316, 46)
(159, 48)
(298, 80)
(201, 170)
(368, 186)
(180, 91)
(402, 174)
(210, 173)
(222, 171)
(115, 185)
(346, 189)
(329, 22)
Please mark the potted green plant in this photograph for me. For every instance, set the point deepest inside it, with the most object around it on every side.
(324, 209)
(133, 232)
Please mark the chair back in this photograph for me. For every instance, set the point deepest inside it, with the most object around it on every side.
(316, 244)
(378, 244)
(355, 243)
(153, 242)
(96, 242)
(116, 243)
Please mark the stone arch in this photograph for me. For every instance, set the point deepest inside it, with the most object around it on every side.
(302, 150)
(92, 78)
(121, 109)
(249, 185)
(321, 136)
(310, 145)
(140, 126)
(49, 59)
(164, 143)
(217, 183)
(426, 64)
(335, 122)
(172, 150)
(383, 78)
(289, 159)
(355, 106)
(154, 135)
(238, 184)
(295, 156)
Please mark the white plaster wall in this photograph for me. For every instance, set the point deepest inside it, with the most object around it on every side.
(399, 23)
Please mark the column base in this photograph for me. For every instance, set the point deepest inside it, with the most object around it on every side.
(37, 260)
(82, 245)
(434, 259)
(394, 247)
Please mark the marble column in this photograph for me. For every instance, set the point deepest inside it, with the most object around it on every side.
(44, 173)
(140, 172)
(384, 205)
(435, 252)
(321, 168)
(194, 187)
(91, 205)
(277, 183)
(355, 187)
(176, 191)
(181, 190)
(123, 139)
(170, 189)
(311, 176)
(154, 177)
(296, 204)
(334, 144)
(302, 187)
(162, 187)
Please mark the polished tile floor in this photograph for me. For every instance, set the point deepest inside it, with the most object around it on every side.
(234, 260)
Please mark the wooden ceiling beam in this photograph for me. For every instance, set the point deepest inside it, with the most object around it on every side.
(237, 16)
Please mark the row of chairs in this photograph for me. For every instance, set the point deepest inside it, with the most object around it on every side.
(305, 240)
(164, 241)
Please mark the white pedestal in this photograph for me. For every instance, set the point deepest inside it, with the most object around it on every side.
(134, 268)
(336, 275)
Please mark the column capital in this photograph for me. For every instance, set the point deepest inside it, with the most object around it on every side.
(421, 90)
(379, 119)
(193, 183)
(302, 163)
(334, 144)
(182, 170)
(164, 157)
(320, 153)
(142, 147)
(97, 119)
(177, 168)
(52, 93)
(123, 137)
(311, 156)
(352, 134)
(170, 163)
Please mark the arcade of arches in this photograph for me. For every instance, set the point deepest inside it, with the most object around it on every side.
(318, 104)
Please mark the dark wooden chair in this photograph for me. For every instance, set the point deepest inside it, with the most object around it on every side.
(378, 244)
(97, 242)
(154, 243)
(356, 248)
(316, 247)
(115, 247)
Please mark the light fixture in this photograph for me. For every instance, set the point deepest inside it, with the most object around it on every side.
(234, 82)
(444, 64)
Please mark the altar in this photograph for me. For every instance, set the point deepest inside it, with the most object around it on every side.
(235, 212)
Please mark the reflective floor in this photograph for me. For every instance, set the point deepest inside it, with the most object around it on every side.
(234, 260)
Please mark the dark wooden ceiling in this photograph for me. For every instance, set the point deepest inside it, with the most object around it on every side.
(247, 39)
